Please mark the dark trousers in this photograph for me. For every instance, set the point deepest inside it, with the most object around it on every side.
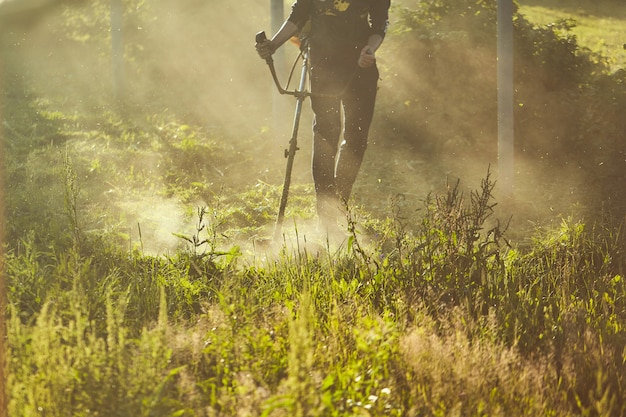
(336, 164)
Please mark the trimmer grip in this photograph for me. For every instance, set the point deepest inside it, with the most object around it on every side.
(260, 37)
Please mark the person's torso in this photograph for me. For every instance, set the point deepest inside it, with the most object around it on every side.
(339, 24)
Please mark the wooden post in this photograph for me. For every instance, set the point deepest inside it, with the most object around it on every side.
(506, 89)
(117, 49)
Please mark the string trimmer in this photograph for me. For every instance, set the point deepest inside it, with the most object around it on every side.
(300, 94)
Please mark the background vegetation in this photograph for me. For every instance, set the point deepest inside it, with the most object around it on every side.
(138, 276)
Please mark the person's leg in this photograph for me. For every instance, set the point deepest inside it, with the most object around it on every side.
(326, 134)
(358, 104)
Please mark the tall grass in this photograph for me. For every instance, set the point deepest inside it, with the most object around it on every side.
(442, 318)
(431, 312)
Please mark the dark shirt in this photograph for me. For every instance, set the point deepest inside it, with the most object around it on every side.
(340, 27)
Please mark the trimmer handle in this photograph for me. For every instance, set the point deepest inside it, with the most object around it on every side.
(260, 37)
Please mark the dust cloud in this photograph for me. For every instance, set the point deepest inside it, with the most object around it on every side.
(195, 59)
(196, 56)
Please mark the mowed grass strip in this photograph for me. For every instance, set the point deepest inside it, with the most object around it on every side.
(600, 25)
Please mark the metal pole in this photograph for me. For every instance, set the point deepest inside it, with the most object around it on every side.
(293, 146)
(277, 14)
(277, 19)
(505, 97)
(117, 49)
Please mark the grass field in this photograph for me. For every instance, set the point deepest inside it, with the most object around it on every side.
(436, 303)
(600, 25)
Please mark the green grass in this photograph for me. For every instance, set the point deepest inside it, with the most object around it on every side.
(430, 307)
(600, 26)
(432, 319)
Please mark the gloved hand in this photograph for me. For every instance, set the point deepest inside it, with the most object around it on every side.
(367, 58)
(265, 49)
